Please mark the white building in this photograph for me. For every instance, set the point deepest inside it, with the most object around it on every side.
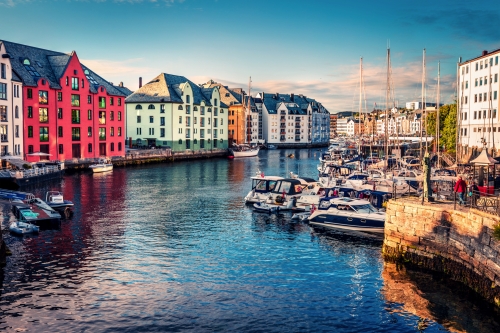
(478, 101)
(11, 104)
(342, 126)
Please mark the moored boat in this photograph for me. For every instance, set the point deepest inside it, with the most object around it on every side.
(244, 151)
(102, 165)
(22, 228)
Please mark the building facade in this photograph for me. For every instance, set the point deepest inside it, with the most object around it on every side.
(69, 111)
(11, 107)
(478, 101)
(172, 111)
(333, 125)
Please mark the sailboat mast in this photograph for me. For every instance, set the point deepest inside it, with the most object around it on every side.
(386, 130)
(248, 113)
(423, 104)
(360, 97)
(437, 113)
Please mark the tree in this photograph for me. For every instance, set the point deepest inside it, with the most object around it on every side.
(447, 126)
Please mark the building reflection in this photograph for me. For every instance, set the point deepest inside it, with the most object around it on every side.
(435, 298)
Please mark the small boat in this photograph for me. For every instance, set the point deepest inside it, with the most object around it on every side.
(56, 200)
(301, 216)
(271, 147)
(102, 165)
(272, 206)
(244, 151)
(261, 187)
(264, 207)
(21, 228)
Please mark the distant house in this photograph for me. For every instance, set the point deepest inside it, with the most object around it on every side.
(69, 111)
(172, 111)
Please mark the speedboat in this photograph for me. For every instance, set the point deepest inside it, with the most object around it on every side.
(21, 228)
(261, 187)
(274, 205)
(56, 200)
(348, 214)
(102, 165)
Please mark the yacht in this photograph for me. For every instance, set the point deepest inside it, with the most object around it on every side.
(244, 151)
(348, 214)
(261, 187)
(102, 165)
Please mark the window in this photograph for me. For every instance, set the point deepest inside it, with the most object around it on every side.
(151, 107)
(151, 131)
(102, 117)
(75, 100)
(151, 119)
(496, 60)
(188, 121)
(75, 133)
(43, 97)
(139, 131)
(61, 149)
(119, 104)
(60, 131)
(466, 99)
(3, 113)
(215, 102)
(111, 101)
(477, 66)
(495, 95)
(494, 113)
(216, 112)
(202, 110)
(202, 122)
(195, 120)
(30, 131)
(480, 81)
(89, 114)
(44, 134)
(180, 119)
(59, 96)
(138, 119)
(111, 131)
(180, 141)
(162, 121)
(102, 133)
(59, 113)
(180, 130)
(30, 149)
(30, 112)
(89, 131)
(89, 99)
(475, 98)
(43, 115)
(475, 114)
(484, 114)
(89, 147)
(30, 93)
(119, 146)
(119, 132)
(162, 108)
(188, 109)
(188, 99)
(180, 107)
(111, 115)
(162, 132)
(67, 81)
(102, 102)
(112, 146)
(496, 78)
(16, 131)
(75, 116)
(138, 107)
(3, 72)
(119, 115)
(466, 84)
(74, 83)
(83, 83)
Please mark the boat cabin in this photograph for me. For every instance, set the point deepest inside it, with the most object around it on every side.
(264, 184)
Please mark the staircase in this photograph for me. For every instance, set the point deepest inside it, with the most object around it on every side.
(448, 159)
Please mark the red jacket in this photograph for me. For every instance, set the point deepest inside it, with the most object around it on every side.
(460, 186)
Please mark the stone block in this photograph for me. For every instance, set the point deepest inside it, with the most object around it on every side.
(485, 238)
(396, 240)
(494, 266)
(464, 256)
(489, 274)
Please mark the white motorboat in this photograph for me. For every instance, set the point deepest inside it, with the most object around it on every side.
(102, 165)
(272, 206)
(244, 151)
(261, 187)
(56, 200)
(348, 214)
(22, 228)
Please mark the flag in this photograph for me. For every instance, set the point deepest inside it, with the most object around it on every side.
(262, 174)
(313, 208)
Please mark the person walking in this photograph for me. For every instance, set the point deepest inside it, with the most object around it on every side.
(460, 188)
(474, 193)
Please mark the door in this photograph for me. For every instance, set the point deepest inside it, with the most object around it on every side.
(76, 152)
(102, 149)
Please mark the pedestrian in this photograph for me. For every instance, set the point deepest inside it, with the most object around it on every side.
(474, 193)
(460, 188)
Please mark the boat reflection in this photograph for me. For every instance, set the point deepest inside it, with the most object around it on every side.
(435, 298)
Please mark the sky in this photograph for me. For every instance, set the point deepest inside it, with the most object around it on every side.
(286, 46)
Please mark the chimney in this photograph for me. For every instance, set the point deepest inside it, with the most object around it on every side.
(140, 82)
(291, 97)
(121, 84)
(485, 52)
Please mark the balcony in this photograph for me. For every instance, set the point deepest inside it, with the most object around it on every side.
(283, 118)
(283, 126)
(4, 138)
(188, 135)
(297, 138)
(282, 139)
(283, 132)
(297, 126)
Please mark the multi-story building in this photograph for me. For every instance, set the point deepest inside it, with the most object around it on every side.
(478, 101)
(173, 111)
(293, 119)
(333, 125)
(69, 111)
(342, 125)
(11, 107)
(355, 127)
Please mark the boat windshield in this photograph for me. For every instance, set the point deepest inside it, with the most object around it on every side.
(283, 186)
(368, 208)
(261, 185)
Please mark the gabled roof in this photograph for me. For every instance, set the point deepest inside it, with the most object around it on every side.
(47, 64)
(227, 96)
(167, 88)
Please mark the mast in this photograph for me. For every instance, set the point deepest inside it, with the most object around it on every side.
(459, 111)
(360, 87)
(386, 131)
(248, 123)
(437, 113)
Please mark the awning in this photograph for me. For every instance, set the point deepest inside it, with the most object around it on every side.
(484, 159)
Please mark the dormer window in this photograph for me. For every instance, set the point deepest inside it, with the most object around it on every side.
(89, 77)
(151, 107)
(31, 70)
(138, 107)
(180, 107)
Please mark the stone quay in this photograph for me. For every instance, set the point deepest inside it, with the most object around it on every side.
(437, 237)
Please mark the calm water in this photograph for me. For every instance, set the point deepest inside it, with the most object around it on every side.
(173, 248)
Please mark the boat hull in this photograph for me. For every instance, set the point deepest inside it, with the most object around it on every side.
(348, 223)
(101, 168)
(245, 153)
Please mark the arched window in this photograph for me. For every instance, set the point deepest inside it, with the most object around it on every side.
(151, 107)
(138, 107)
(195, 141)
(209, 110)
(188, 99)
(180, 141)
(195, 108)
(221, 140)
(215, 102)
(180, 107)
(16, 114)
(209, 140)
(102, 89)
(26, 62)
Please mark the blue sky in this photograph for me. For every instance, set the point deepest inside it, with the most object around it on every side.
(287, 46)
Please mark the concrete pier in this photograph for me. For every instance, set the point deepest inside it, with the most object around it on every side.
(459, 243)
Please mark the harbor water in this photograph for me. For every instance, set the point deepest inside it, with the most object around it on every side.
(173, 248)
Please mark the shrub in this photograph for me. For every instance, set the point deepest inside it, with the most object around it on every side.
(26, 166)
(496, 232)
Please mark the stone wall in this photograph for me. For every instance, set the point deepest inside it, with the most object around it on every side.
(437, 237)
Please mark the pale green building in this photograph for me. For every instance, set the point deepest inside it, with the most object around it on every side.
(171, 111)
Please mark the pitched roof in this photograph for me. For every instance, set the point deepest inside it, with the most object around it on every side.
(167, 88)
(49, 65)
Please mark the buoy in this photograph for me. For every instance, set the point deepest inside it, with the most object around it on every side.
(230, 157)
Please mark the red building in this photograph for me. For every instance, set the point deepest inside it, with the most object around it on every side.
(68, 110)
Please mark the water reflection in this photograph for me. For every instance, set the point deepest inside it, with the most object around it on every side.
(433, 298)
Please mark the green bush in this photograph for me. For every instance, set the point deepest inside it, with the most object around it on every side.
(26, 166)
(496, 231)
